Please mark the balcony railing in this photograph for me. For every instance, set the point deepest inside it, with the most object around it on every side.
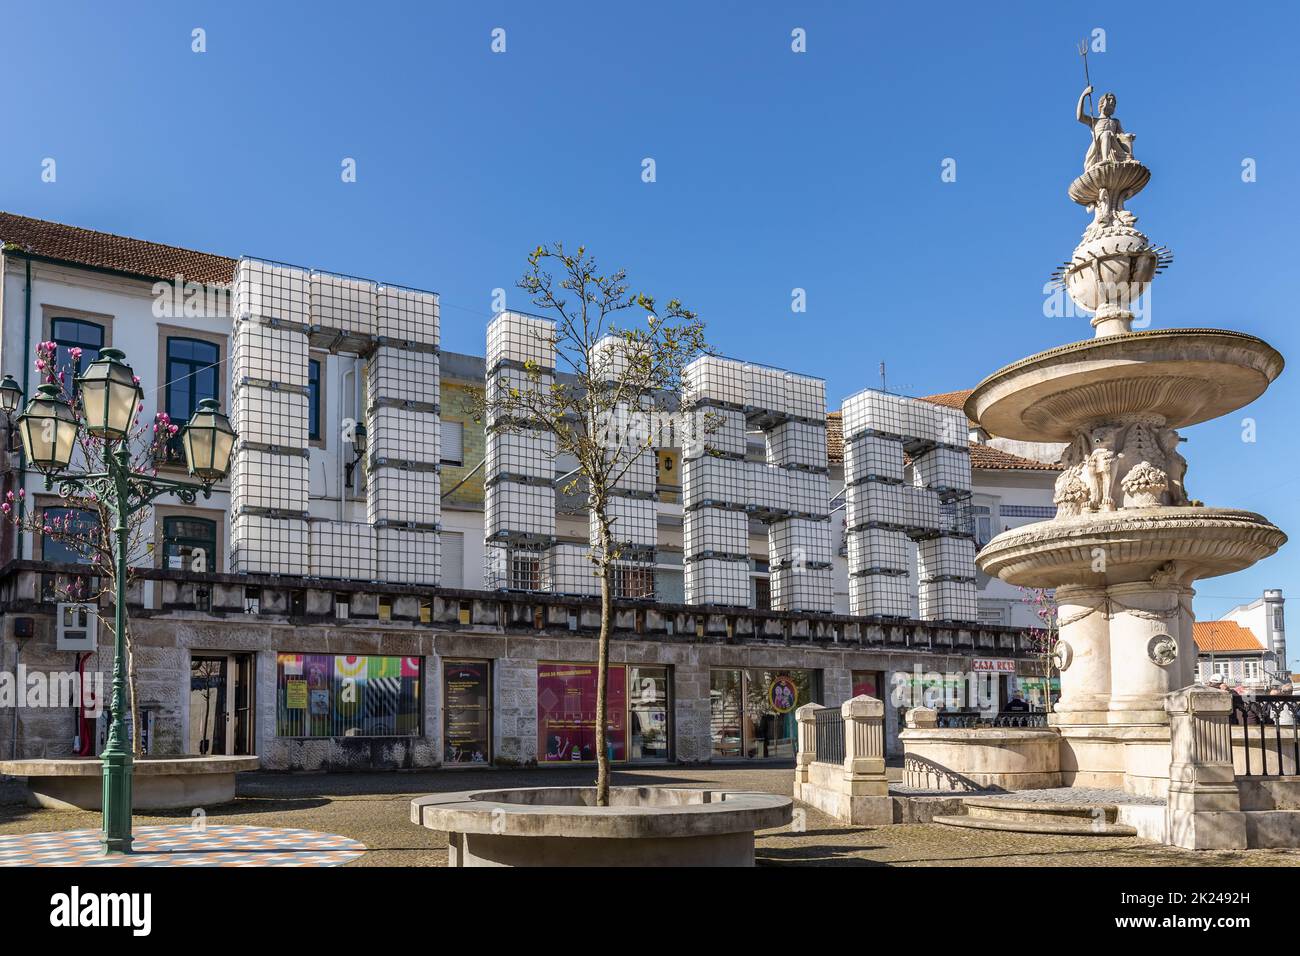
(1256, 716)
(974, 719)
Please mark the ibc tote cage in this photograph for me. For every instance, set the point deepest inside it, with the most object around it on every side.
(280, 312)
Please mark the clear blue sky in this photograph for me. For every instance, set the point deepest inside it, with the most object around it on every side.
(774, 170)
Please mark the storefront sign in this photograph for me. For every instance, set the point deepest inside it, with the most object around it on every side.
(465, 726)
(993, 665)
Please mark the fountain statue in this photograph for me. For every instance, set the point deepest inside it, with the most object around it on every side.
(1127, 542)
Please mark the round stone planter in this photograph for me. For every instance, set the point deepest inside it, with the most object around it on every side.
(157, 783)
(561, 826)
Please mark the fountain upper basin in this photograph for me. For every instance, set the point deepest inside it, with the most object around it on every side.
(1183, 376)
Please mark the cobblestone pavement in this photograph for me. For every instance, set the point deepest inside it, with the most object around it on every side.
(373, 808)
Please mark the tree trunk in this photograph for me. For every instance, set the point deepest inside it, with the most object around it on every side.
(602, 678)
(137, 742)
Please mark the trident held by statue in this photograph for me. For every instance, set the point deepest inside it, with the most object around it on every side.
(1087, 81)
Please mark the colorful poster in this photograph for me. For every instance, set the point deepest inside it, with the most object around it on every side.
(320, 703)
(566, 713)
(782, 694)
(868, 683)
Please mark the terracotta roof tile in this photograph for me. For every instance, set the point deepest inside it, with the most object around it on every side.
(835, 438)
(955, 399)
(1224, 636)
(103, 250)
(982, 456)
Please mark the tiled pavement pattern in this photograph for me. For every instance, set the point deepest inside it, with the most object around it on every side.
(373, 808)
(183, 845)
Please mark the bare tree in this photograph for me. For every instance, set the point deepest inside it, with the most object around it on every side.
(620, 359)
(91, 539)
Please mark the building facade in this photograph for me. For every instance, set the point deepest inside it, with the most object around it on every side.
(1246, 648)
(314, 673)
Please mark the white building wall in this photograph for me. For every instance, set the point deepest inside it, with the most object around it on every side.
(126, 308)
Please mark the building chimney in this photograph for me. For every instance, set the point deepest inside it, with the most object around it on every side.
(1275, 628)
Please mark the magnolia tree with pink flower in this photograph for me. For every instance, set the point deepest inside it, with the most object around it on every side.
(1043, 639)
(84, 524)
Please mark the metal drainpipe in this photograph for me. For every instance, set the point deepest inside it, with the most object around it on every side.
(27, 367)
(342, 453)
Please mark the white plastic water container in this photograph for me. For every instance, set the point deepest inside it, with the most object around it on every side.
(271, 291)
(400, 375)
(407, 314)
(344, 550)
(797, 443)
(715, 530)
(408, 557)
(344, 304)
(263, 353)
(800, 541)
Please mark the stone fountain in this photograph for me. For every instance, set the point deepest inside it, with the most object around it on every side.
(1128, 542)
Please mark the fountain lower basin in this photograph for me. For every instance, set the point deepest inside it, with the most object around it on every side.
(1135, 544)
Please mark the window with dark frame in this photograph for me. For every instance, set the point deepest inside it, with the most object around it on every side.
(191, 376)
(184, 538)
(68, 334)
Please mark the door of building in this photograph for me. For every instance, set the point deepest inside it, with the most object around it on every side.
(221, 705)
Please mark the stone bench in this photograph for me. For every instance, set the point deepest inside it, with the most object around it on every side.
(158, 783)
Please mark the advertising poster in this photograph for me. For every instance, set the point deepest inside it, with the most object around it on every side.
(465, 695)
(566, 713)
(868, 683)
(295, 695)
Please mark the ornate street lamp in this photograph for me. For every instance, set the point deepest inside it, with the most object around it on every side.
(110, 397)
(208, 439)
(49, 430)
(11, 396)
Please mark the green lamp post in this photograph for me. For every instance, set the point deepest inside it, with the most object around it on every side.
(109, 399)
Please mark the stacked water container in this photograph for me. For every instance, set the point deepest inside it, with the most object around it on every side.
(716, 485)
(799, 535)
(269, 477)
(403, 432)
(632, 507)
(941, 470)
(519, 505)
(878, 505)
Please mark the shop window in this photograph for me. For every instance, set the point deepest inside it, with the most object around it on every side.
(190, 544)
(752, 711)
(467, 712)
(647, 713)
(638, 708)
(335, 695)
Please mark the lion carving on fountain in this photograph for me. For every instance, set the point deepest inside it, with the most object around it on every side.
(1119, 465)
